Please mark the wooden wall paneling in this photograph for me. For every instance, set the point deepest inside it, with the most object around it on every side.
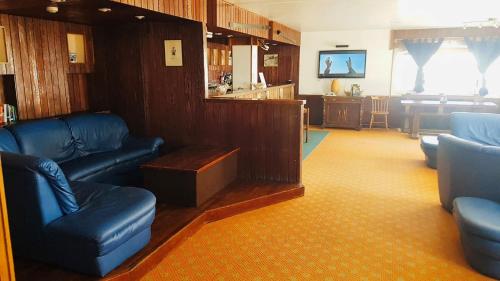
(282, 33)
(268, 132)
(116, 55)
(288, 65)
(38, 57)
(188, 9)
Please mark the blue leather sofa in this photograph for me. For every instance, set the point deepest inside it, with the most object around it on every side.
(469, 159)
(478, 222)
(429, 145)
(62, 208)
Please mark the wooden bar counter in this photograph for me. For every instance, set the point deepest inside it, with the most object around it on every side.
(271, 93)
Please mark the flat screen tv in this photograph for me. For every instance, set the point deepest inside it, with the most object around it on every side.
(342, 64)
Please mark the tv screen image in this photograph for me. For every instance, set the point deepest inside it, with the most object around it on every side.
(342, 64)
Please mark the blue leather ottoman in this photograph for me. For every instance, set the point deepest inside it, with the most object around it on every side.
(429, 145)
(479, 225)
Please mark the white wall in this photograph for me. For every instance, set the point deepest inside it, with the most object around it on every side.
(378, 60)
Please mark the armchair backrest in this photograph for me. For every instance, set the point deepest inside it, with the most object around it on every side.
(97, 132)
(482, 128)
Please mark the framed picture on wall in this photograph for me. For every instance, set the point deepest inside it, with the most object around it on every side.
(271, 60)
(222, 57)
(173, 52)
(215, 56)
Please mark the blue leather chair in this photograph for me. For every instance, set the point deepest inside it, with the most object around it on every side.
(469, 159)
(87, 227)
(478, 222)
(429, 145)
(60, 210)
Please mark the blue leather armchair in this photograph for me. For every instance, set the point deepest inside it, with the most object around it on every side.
(61, 208)
(87, 227)
(469, 159)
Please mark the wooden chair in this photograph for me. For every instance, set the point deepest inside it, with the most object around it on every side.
(306, 122)
(380, 107)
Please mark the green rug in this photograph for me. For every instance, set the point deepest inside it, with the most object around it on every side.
(315, 138)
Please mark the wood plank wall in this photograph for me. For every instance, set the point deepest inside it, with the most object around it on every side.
(189, 9)
(288, 65)
(38, 58)
(170, 100)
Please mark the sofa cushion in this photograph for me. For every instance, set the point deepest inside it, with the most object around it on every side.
(482, 128)
(48, 138)
(83, 167)
(51, 172)
(97, 132)
(480, 217)
(108, 217)
(8, 142)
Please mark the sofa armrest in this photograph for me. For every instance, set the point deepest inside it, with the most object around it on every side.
(36, 174)
(467, 168)
(151, 143)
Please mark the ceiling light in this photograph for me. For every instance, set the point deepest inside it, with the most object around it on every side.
(210, 34)
(57, 1)
(218, 33)
(140, 17)
(229, 35)
(52, 9)
(104, 10)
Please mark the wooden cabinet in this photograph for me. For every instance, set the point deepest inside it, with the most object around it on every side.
(342, 112)
(227, 15)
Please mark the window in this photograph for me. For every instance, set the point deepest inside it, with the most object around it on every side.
(451, 71)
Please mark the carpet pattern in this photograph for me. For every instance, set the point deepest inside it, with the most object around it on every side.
(315, 138)
(371, 212)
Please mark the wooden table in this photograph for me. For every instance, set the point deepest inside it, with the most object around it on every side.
(415, 109)
(190, 176)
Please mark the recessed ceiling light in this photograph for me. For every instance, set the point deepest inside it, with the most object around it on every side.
(139, 17)
(230, 35)
(104, 10)
(52, 9)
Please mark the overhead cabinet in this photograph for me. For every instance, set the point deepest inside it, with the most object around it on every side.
(282, 33)
(227, 15)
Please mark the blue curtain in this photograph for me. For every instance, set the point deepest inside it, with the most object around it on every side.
(485, 51)
(421, 51)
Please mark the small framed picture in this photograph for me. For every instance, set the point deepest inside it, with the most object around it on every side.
(222, 57)
(173, 52)
(215, 56)
(271, 60)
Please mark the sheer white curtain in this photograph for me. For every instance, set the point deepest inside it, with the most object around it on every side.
(451, 71)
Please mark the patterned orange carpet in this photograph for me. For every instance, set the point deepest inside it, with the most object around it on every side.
(371, 212)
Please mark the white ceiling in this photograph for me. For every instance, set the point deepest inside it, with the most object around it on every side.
(323, 15)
